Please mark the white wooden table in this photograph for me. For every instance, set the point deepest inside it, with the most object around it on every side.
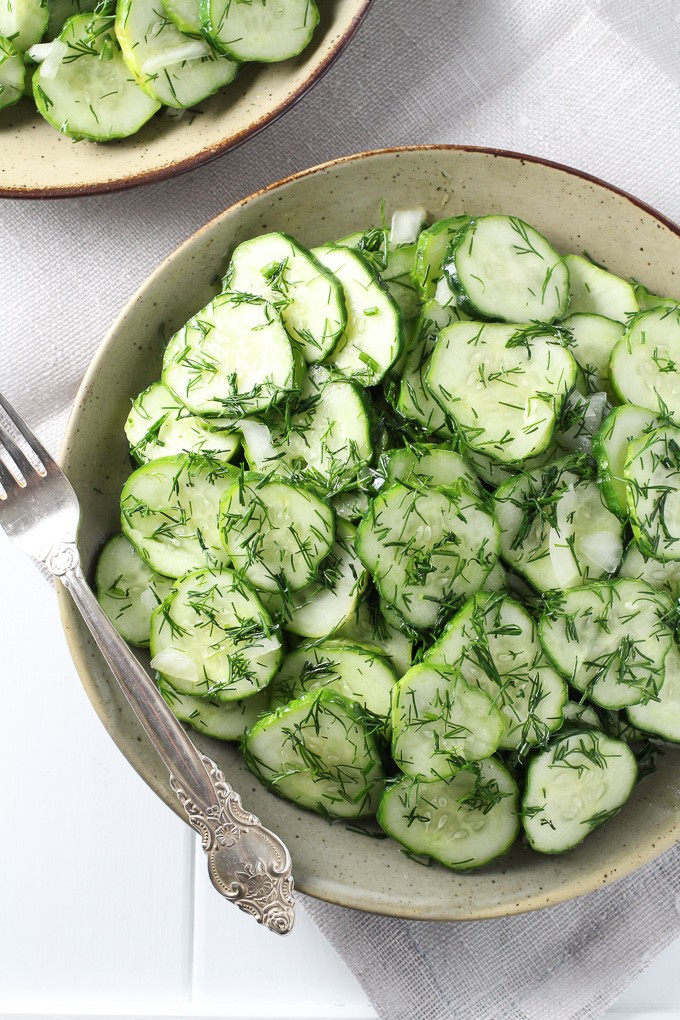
(106, 909)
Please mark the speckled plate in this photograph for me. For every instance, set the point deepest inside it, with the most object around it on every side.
(37, 162)
(577, 213)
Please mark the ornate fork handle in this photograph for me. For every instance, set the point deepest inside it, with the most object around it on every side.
(247, 863)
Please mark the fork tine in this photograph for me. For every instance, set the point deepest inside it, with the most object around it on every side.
(7, 480)
(18, 456)
(32, 440)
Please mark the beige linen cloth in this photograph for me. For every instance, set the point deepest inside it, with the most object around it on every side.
(591, 83)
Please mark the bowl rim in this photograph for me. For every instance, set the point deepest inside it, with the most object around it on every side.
(210, 152)
(573, 888)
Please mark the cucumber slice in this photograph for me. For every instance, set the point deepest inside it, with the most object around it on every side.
(159, 425)
(370, 627)
(428, 466)
(321, 435)
(91, 94)
(23, 22)
(185, 16)
(555, 530)
(352, 505)
(662, 576)
(504, 385)
(576, 785)
(308, 297)
(610, 640)
(276, 534)
(610, 449)
(594, 339)
(494, 473)
(59, 11)
(661, 716)
(12, 74)
(170, 513)
(262, 30)
(431, 250)
(578, 716)
(324, 607)
(439, 722)
(497, 580)
(415, 400)
(647, 300)
(393, 263)
(596, 292)
(320, 753)
(212, 638)
(652, 477)
(231, 359)
(373, 338)
(501, 268)
(463, 823)
(174, 69)
(580, 420)
(644, 363)
(492, 642)
(128, 590)
(221, 720)
(427, 548)
(352, 670)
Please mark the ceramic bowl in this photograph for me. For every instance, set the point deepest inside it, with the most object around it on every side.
(577, 213)
(38, 162)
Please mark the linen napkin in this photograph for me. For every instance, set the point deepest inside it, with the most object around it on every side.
(591, 83)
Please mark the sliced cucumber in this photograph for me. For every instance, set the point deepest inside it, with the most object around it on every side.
(321, 434)
(174, 69)
(231, 359)
(91, 93)
(23, 22)
(610, 449)
(596, 292)
(463, 823)
(355, 671)
(492, 642)
(578, 715)
(373, 338)
(170, 513)
(555, 529)
(494, 473)
(415, 400)
(276, 534)
(352, 505)
(662, 576)
(594, 339)
(212, 638)
(128, 589)
(369, 626)
(393, 263)
(429, 466)
(647, 300)
(427, 548)
(159, 425)
(581, 418)
(60, 11)
(502, 268)
(644, 363)
(262, 30)
(661, 716)
(431, 250)
(503, 384)
(308, 297)
(185, 15)
(221, 720)
(439, 722)
(320, 753)
(579, 783)
(610, 640)
(652, 477)
(12, 74)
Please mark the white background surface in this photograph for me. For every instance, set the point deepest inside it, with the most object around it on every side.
(106, 908)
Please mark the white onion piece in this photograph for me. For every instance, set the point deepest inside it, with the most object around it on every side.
(406, 225)
(148, 600)
(191, 50)
(602, 549)
(49, 56)
(443, 295)
(257, 439)
(174, 663)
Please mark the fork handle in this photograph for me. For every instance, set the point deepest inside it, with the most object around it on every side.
(167, 735)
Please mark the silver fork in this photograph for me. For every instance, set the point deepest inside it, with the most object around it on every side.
(247, 863)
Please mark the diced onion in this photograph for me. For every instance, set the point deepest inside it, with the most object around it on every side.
(443, 295)
(191, 50)
(602, 549)
(406, 225)
(174, 663)
(148, 600)
(257, 440)
(49, 56)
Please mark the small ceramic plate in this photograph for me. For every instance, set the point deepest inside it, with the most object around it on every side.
(577, 213)
(38, 162)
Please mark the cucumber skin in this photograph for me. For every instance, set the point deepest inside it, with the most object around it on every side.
(208, 29)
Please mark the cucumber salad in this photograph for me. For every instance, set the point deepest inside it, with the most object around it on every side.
(100, 70)
(405, 521)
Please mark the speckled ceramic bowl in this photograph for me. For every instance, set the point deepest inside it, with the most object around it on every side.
(577, 213)
(37, 162)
